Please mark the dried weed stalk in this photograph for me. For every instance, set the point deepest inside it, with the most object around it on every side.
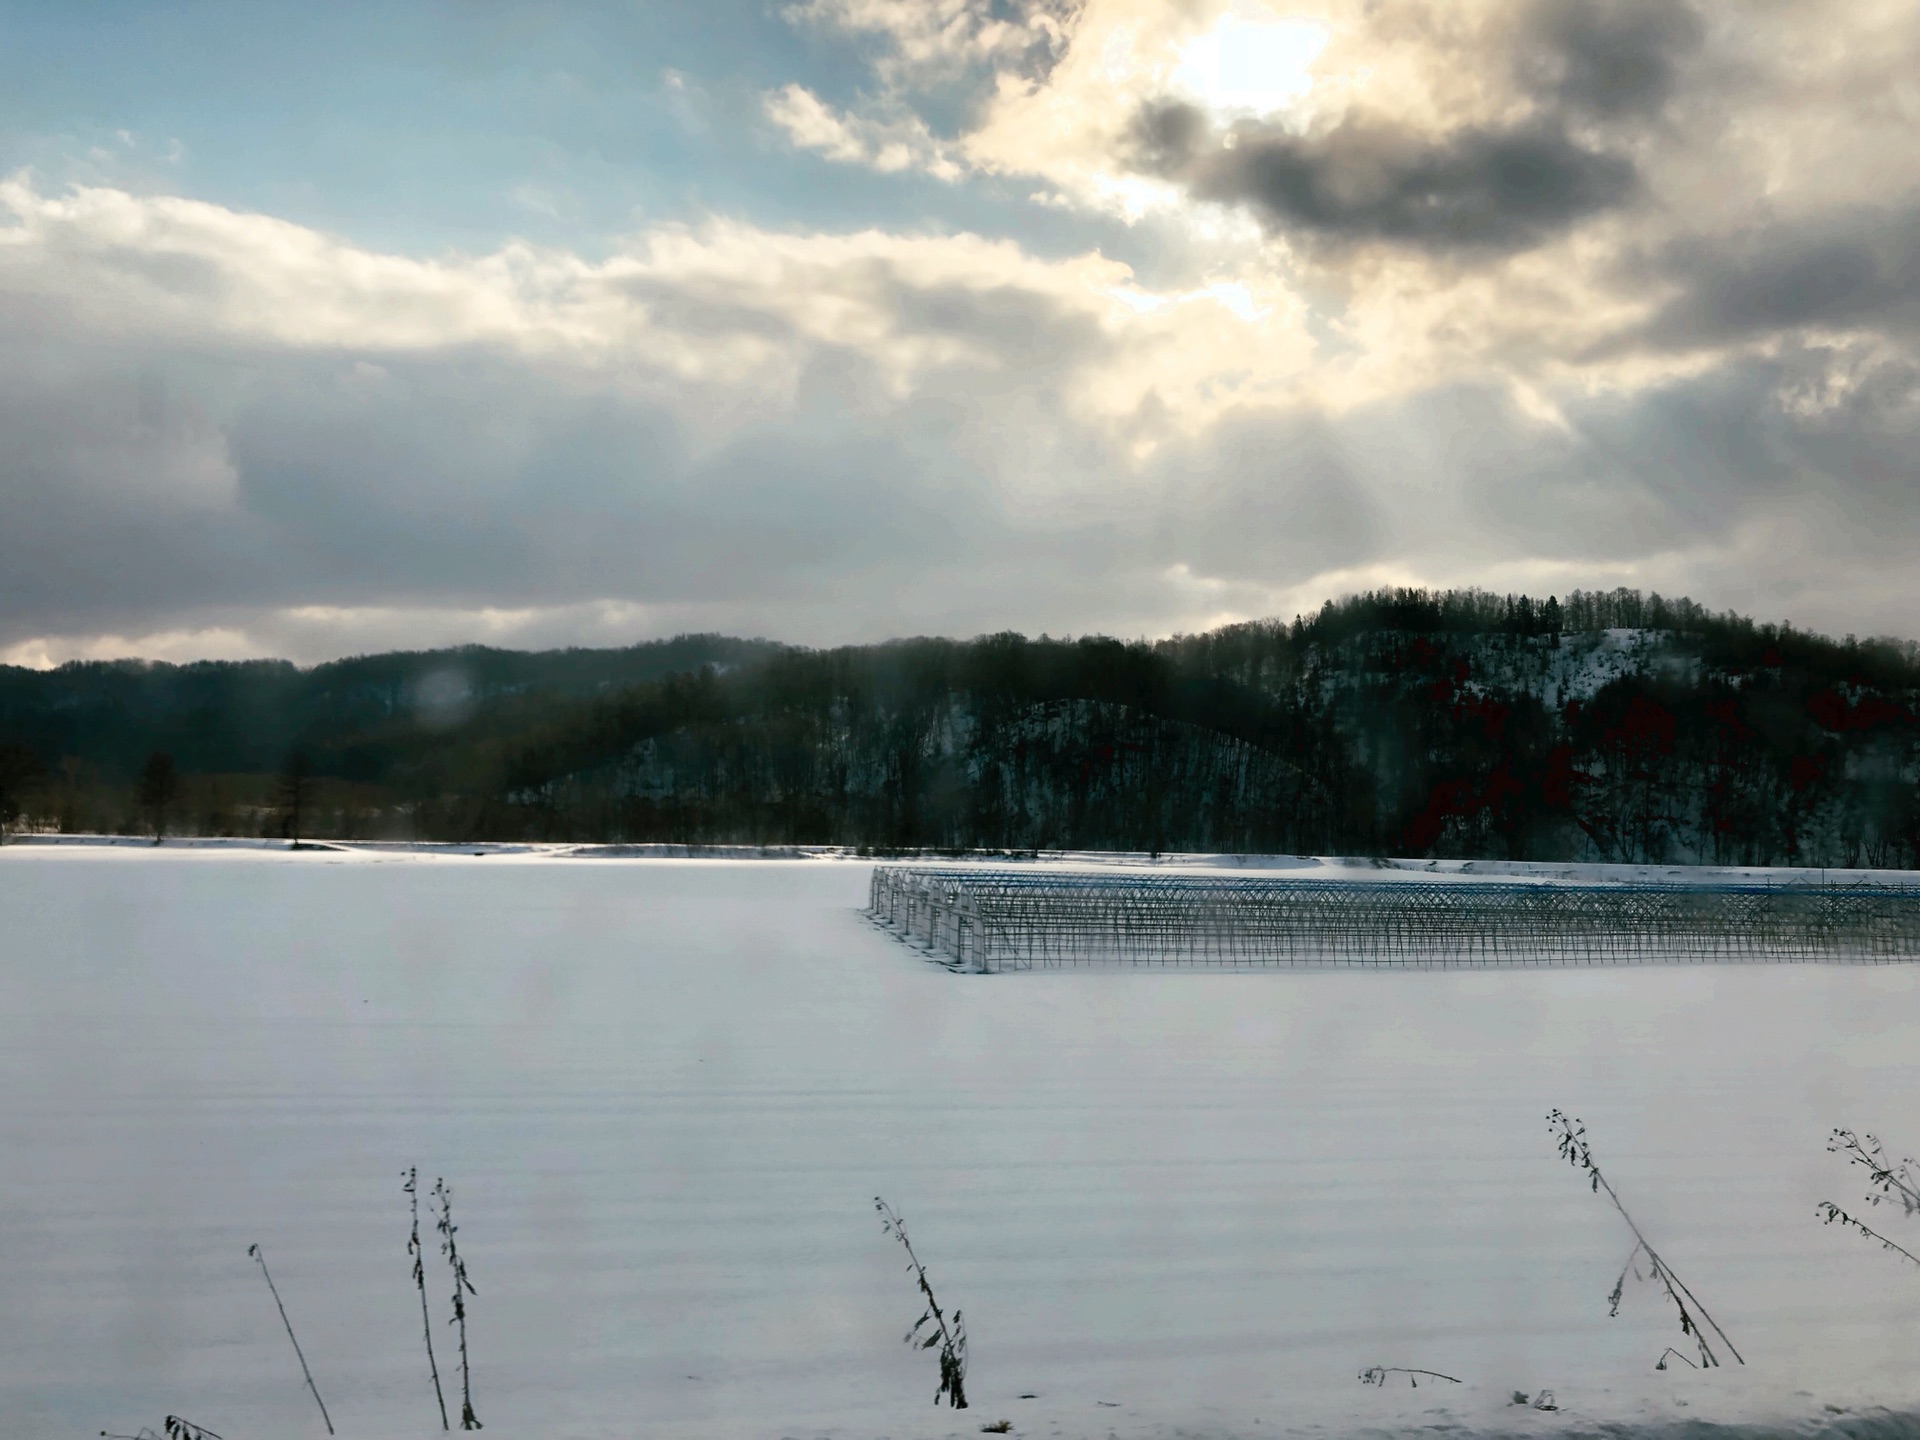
(1377, 1375)
(255, 1252)
(1886, 1182)
(174, 1427)
(462, 1287)
(411, 1188)
(1571, 1136)
(931, 1328)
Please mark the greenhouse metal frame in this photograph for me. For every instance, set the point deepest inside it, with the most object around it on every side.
(988, 919)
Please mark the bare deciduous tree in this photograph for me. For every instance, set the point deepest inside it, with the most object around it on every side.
(159, 783)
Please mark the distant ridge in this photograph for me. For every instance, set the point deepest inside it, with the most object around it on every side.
(1590, 727)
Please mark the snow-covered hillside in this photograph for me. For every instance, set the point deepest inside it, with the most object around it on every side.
(666, 1093)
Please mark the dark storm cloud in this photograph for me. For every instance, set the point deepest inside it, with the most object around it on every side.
(1165, 139)
(1591, 73)
(447, 484)
(1852, 271)
(454, 482)
(1265, 494)
(1472, 189)
(1606, 58)
(1675, 480)
(1772, 507)
(143, 492)
(1674, 467)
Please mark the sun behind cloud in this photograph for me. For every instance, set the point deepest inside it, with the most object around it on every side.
(1252, 63)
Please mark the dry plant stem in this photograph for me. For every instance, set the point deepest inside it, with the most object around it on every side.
(1661, 1363)
(1377, 1375)
(254, 1251)
(1893, 1182)
(462, 1287)
(953, 1344)
(1575, 1151)
(179, 1428)
(412, 1189)
(1831, 1213)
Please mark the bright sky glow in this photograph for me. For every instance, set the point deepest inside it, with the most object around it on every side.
(384, 324)
(1251, 63)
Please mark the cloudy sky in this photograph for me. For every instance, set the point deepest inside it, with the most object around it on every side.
(343, 327)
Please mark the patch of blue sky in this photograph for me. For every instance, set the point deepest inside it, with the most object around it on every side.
(423, 127)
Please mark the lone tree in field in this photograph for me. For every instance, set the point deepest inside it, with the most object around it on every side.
(294, 794)
(159, 783)
(20, 769)
(931, 1328)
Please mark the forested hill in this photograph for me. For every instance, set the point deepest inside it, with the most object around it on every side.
(1613, 726)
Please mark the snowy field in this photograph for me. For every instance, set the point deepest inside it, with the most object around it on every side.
(666, 1092)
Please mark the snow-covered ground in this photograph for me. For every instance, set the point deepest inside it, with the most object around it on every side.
(666, 1092)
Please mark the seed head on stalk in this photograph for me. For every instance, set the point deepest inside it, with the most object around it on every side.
(411, 1187)
(1888, 1181)
(1571, 1140)
(462, 1287)
(932, 1328)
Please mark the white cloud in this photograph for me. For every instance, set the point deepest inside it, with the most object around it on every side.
(1707, 128)
(889, 146)
(238, 434)
(44, 652)
(918, 36)
(309, 634)
(735, 310)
